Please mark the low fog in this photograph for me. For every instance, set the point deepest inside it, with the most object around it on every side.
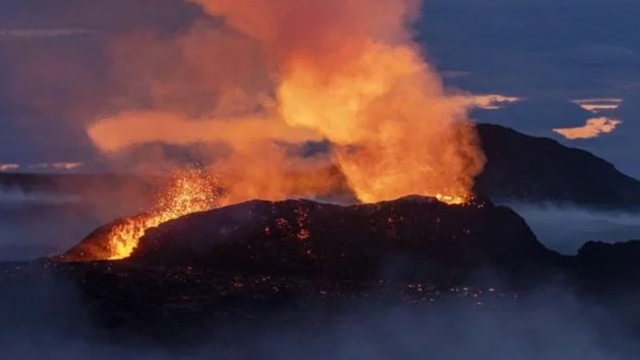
(565, 228)
(38, 223)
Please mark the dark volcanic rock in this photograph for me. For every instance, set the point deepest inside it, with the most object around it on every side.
(534, 169)
(612, 263)
(409, 237)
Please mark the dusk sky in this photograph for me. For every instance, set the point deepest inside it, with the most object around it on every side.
(550, 55)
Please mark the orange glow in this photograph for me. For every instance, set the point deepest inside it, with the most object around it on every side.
(288, 72)
(592, 129)
(189, 192)
(344, 71)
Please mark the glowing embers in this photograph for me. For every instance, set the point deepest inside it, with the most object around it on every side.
(189, 192)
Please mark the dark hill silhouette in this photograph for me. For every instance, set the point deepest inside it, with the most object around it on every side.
(535, 169)
(610, 263)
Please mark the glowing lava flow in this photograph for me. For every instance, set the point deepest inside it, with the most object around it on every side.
(453, 200)
(189, 192)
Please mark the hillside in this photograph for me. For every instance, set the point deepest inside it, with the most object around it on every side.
(535, 169)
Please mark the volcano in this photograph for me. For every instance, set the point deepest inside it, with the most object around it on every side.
(416, 236)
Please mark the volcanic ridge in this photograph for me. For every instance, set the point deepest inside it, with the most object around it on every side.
(307, 238)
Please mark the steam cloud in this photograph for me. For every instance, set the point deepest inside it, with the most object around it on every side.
(294, 71)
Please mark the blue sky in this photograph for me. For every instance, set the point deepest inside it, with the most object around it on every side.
(546, 52)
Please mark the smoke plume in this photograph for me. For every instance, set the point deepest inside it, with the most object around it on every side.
(274, 72)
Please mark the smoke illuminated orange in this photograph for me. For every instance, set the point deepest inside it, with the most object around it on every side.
(346, 71)
(189, 192)
(288, 72)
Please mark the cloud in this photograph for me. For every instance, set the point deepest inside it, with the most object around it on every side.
(599, 105)
(453, 74)
(59, 166)
(536, 116)
(56, 166)
(9, 167)
(105, 16)
(44, 33)
(487, 101)
(593, 128)
(494, 101)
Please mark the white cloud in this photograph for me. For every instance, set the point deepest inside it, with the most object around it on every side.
(592, 129)
(490, 101)
(598, 105)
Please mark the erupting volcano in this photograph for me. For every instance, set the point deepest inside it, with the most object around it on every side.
(188, 192)
(270, 77)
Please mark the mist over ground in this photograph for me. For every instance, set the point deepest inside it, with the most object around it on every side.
(565, 228)
(38, 222)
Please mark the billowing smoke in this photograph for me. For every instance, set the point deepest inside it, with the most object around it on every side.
(269, 73)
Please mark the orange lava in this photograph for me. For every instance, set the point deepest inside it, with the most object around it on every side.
(189, 192)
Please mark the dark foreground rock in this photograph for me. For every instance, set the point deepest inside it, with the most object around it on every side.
(612, 264)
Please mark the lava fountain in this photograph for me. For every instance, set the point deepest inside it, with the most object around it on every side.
(188, 192)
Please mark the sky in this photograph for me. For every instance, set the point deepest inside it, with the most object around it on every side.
(56, 69)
